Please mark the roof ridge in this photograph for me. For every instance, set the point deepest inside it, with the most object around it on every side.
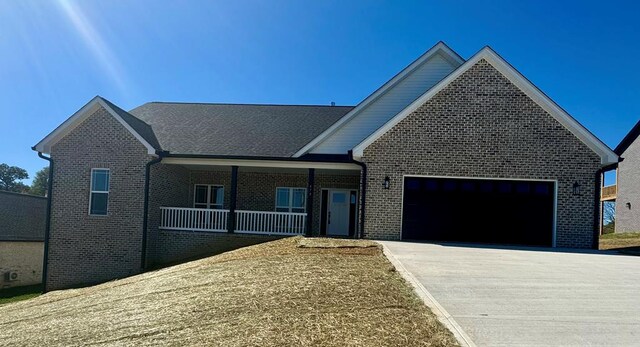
(237, 104)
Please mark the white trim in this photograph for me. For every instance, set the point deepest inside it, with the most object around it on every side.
(209, 190)
(441, 47)
(261, 163)
(606, 154)
(555, 196)
(91, 191)
(77, 118)
(290, 207)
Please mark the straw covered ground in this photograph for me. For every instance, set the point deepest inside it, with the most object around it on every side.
(289, 292)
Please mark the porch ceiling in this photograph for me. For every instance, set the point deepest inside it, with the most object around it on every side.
(260, 165)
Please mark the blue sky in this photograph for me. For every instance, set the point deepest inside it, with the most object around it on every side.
(56, 55)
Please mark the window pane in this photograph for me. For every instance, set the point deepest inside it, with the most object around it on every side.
(282, 197)
(100, 180)
(200, 206)
(282, 209)
(217, 195)
(339, 198)
(299, 197)
(99, 203)
(297, 210)
(201, 194)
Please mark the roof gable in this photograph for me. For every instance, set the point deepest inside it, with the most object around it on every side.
(606, 154)
(385, 102)
(140, 130)
(628, 139)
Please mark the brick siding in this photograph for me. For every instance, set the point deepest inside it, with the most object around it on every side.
(86, 249)
(628, 219)
(481, 125)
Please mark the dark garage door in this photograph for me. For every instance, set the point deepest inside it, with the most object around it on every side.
(471, 210)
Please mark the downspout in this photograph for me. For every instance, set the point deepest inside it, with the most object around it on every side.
(145, 215)
(363, 193)
(47, 227)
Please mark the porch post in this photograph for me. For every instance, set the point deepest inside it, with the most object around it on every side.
(231, 222)
(310, 189)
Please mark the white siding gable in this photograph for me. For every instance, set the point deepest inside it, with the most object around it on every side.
(387, 105)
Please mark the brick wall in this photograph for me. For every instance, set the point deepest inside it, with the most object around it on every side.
(481, 125)
(86, 249)
(22, 216)
(628, 219)
(24, 258)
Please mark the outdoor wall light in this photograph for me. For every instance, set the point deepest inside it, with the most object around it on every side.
(576, 188)
(385, 184)
(628, 205)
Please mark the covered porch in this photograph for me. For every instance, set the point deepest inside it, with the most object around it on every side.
(258, 197)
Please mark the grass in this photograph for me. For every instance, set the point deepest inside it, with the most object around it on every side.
(628, 243)
(279, 293)
(9, 295)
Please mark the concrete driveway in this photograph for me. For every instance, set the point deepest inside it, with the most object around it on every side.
(530, 296)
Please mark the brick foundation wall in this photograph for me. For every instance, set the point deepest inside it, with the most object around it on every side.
(86, 249)
(22, 216)
(628, 219)
(481, 125)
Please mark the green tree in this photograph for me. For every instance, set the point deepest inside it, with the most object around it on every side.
(10, 177)
(40, 182)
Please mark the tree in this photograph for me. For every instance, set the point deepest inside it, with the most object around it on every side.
(40, 182)
(10, 177)
(609, 216)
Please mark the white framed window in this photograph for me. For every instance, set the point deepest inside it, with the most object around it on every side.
(291, 199)
(208, 196)
(99, 195)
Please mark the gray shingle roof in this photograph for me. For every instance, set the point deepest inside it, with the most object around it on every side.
(142, 128)
(236, 129)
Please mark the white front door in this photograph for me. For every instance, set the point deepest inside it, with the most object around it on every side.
(338, 213)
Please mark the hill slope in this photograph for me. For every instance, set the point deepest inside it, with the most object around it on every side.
(274, 294)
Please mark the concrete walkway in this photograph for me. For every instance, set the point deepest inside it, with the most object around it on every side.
(530, 297)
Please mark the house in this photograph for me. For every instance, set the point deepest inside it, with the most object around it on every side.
(447, 150)
(628, 183)
(22, 228)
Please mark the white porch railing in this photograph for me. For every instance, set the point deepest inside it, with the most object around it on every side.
(264, 222)
(247, 222)
(196, 219)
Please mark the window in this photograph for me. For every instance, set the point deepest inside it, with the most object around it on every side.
(291, 199)
(208, 196)
(99, 196)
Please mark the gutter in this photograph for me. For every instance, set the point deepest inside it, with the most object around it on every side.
(317, 159)
(45, 263)
(145, 213)
(363, 193)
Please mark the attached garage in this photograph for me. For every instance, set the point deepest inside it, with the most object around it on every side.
(497, 211)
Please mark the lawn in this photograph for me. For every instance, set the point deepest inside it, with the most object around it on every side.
(623, 242)
(291, 292)
(9, 295)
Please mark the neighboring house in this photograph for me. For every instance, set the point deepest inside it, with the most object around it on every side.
(22, 227)
(628, 183)
(448, 150)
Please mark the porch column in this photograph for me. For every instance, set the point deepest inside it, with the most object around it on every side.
(231, 222)
(310, 189)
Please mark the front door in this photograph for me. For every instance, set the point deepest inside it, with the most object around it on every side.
(338, 213)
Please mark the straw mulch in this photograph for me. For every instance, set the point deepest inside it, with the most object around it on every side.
(281, 293)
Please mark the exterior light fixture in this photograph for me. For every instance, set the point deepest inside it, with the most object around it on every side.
(385, 184)
(576, 188)
(628, 205)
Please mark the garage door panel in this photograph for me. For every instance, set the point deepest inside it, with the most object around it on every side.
(466, 210)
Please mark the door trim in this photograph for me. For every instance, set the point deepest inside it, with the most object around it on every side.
(555, 196)
(326, 217)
